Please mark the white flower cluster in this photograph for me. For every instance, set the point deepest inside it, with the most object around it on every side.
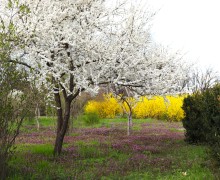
(82, 44)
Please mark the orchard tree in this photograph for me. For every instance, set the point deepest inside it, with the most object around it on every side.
(165, 74)
(74, 46)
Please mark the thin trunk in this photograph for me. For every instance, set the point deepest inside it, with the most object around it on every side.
(129, 113)
(37, 114)
(129, 128)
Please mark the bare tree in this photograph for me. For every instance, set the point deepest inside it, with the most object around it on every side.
(202, 80)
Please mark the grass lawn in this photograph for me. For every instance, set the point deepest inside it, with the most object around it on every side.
(155, 150)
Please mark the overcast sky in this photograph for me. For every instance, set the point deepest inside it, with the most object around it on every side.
(190, 25)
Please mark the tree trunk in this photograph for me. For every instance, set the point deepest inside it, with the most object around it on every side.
(63, 117)
(129, 128)
(129, 113)
(37, 115)
(62, 123)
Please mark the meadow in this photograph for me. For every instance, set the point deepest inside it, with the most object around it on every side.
(155, 150)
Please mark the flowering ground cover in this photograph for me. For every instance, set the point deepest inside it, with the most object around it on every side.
(155, 150)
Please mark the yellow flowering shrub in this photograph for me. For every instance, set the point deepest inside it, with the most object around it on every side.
(124, 106)
(174, 110)
(92, 107)
(159, 107)
(153, 107)
(111, 106)
(108, 108)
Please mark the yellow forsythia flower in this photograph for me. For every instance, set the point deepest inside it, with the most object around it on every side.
(108, 108)
(159, 107)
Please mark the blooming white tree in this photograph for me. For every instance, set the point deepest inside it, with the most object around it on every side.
(74, 46)
(166, 73)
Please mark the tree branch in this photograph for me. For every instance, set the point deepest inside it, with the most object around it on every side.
(21, 63)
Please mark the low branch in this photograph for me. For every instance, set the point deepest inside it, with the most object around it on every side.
(21, 63)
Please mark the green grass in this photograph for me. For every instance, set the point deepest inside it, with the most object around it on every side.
(95, 158)
(79, 123)
(43, 121)
(42, 149)
(189, 161)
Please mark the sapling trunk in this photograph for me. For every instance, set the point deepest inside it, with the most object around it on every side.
(129, 128)
(129, 114)
(37, 115)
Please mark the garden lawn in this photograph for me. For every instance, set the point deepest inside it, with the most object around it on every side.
(155, 150)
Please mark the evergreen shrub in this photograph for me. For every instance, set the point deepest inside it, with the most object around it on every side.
(202, 118)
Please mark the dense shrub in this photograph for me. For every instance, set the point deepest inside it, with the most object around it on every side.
(107, 108)
(195, 122)
(168, 108)
(90, 118)
(202, 118)
(154, 107)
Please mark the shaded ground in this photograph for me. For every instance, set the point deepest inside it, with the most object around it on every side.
(155, 150)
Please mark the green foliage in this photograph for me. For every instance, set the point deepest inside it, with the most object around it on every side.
(50, 111)
(91, 118)
(11, 105)
(47, 121)
(202, 118)
(13, 102)
(24, 9)
(215, 152)
(195, 121)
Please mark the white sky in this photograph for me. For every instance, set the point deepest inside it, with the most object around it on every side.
(190, 25)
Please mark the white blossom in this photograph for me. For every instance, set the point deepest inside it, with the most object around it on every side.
(82, 44)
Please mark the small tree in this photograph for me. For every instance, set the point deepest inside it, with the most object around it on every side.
(13, 103)
(128, 103)
(13, 109)
(166, 74)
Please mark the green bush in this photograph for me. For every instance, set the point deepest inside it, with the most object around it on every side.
(202, 118)
(91, 118)
(195, 121)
